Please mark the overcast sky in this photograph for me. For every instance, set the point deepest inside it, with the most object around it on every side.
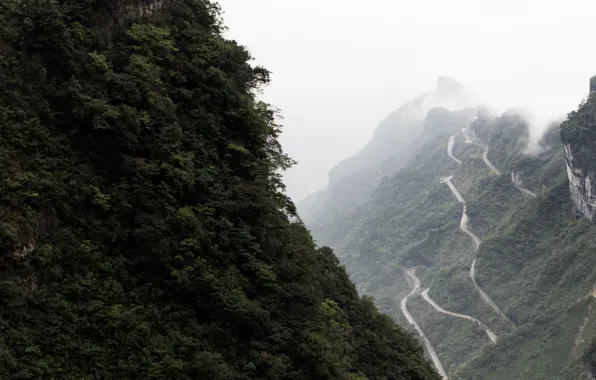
(340, 66)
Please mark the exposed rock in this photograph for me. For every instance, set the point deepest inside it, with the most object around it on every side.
(23, 252)
(143, 7)
(122, 10)
(581, 186)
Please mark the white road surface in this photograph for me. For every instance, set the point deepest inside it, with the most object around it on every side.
(488, 163)
(450, 149)
(465, 222)
(516, 179)
(485, 296)
(464, 225)
(447, 180)
(492, 336)
(404, 309)
(471, 138)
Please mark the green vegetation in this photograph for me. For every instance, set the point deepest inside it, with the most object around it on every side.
(397, 138)
(579, 130)
(536, 260)
(143, 226)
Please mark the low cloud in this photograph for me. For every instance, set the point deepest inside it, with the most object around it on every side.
(538, 124)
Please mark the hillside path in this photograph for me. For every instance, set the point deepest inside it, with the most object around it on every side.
(411, 275)
(450, 149)
(492, 336)
(517, 182)
(485, 296)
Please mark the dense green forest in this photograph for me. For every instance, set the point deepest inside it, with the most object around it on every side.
(535, 258)
(580, 130)
(144, 228)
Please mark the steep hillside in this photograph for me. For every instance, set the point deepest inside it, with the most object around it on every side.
(578, 133)
(352, 181)
(144, 232)
(476, 245)
(403, 126)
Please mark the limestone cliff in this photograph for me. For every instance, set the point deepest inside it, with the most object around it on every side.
(143, 7)
(581, 186)
(578, 133)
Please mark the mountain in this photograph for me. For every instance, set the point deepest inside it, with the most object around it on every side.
(352, 181)
(144, 231)
(403, 126)
(579, 135)
(486, 252)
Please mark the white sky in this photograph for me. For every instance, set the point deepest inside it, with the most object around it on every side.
(340, 66)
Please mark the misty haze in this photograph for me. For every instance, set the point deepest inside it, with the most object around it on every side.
(293, 190)
(339, 67)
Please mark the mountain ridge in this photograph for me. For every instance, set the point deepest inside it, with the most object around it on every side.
(532, 257)
(144, 228)
(352, 181)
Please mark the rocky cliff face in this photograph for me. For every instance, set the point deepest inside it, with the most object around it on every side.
(143, 7)
(122, 10)
(581, 186)
(578, 134)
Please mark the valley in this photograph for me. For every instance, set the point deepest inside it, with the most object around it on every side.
(509, 255)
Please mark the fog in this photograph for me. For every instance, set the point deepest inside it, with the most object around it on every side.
(340, 66)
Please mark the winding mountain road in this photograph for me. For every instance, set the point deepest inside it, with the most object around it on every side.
(471, 138)
(454, 190)
(492, 336)
(411, 275)
(488, 163)
(485, 296)
(516, 179)
(450, 149)
(464, 225)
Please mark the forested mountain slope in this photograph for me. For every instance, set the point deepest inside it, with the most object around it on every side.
(144, 232)
(352, 181)
(490, 233)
